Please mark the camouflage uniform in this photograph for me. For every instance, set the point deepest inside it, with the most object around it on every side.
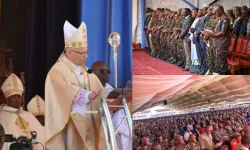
(222, 43)
(136, 141)
(243, 120)
(229, 130)
(152, 24)
(164, 41)
(196, 147)
(217, 136)
(172, 143)
(148, 147)
(161, 42)
(156, 36)
(235, 126)
(162, 35)
(184, 147)
(211, 53)
(181, 56)
(171, 42)
(163, 145)
(223, 132)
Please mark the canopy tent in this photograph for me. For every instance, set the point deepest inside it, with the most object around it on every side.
(189, 92)
(140, 5)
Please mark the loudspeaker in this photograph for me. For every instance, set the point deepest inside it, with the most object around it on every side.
(165, 102)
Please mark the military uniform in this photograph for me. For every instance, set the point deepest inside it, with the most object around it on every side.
(148, 147)
(163, 39)
(172, 25)
(193, 147)
(163, 145)
(222, 43)
(136, 141)
(172, 143)
(211, 53)
(152, 24)
(243, 120)
(171, 42)
(181, 56)
(160, 39)
(153, 35)
(217, 136)
(183, 147)
(229, 130)
(223, 132)
(235, 126)
(156, 35)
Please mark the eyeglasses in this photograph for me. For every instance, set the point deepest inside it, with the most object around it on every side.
(83, 53)
(102, 71)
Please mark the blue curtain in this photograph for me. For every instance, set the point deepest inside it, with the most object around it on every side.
(142, 15)
(103, 17)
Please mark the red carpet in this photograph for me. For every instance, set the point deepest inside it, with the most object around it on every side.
(143, 64)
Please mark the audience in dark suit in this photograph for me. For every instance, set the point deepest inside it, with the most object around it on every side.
(238, 21)
(146, 22)
(245, 17)
(185, 36)
(201, 45)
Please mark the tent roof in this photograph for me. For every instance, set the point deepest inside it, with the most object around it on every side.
(189, 92)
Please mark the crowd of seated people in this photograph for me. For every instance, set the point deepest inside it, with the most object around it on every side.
(204, 130)
(197, 40)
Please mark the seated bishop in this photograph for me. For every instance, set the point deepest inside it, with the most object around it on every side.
(13, 118)
(37, 107)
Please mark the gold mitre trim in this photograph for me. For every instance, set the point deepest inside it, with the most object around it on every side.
(12, 86)
(75, 38)
(12, 92)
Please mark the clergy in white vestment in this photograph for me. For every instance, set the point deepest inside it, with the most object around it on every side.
(14, 120)
(70, 93)
(102, 71)
(194, 56)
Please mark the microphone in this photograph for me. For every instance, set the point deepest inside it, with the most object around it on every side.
(33, 134)
(90, 71)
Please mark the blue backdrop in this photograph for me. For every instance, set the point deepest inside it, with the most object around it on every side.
(103, 17)
(142, 15)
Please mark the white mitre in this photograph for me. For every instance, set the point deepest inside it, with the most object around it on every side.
(12, 86)
(75, 38)
(36, 106)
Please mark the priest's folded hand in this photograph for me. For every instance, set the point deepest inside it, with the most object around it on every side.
(93, 95)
